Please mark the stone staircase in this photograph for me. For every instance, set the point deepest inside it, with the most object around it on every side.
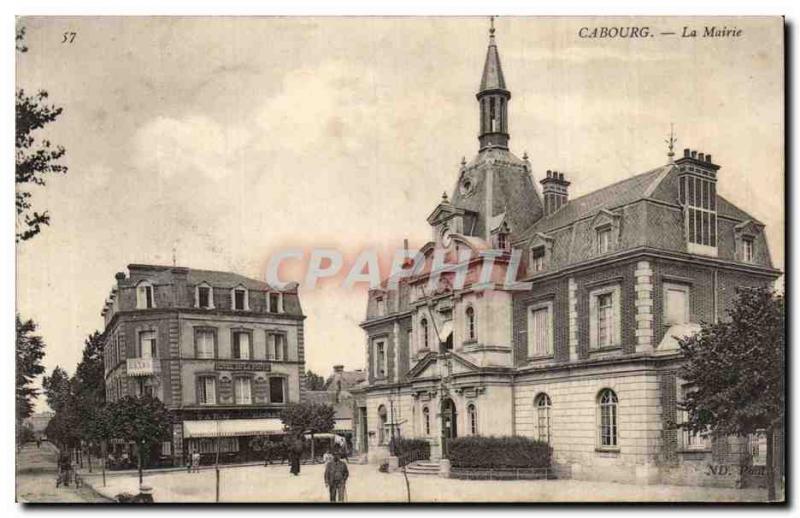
(423, 467)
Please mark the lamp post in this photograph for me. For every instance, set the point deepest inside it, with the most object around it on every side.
(216, 463)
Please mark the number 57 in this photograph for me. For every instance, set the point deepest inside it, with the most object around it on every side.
(69, 37)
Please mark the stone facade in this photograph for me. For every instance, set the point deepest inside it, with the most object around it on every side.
(159, 304)
(585, 355)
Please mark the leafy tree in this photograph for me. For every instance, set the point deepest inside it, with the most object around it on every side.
(35, 158)
(308, 417)
(57, 389)
(144, 421)
(30, 351)
(736, 368)
(89, 392)
(314, 381)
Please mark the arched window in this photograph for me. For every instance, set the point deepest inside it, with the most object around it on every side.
(426, 420)
(607, 422)
(382, 435)
(423, 328)
(542, 404)
(472, 415)
(470, 316)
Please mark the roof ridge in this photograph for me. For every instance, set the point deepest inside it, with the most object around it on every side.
(609, 186)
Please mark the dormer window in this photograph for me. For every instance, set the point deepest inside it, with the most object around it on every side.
(748, 255)
(204, 297)
(274, 303)
(239, 299)
(603, 239)
(537, 259)
(502, 241)
(144, 296)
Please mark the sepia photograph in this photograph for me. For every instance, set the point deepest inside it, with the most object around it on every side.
(400, 259)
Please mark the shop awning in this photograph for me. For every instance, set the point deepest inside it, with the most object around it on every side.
(231, 428)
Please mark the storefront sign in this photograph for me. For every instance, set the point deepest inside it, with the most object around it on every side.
(242, 366)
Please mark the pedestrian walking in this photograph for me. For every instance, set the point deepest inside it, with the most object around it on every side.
(336, 474)
(295, 452)
(196, 461)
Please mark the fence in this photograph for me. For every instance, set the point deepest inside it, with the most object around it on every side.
(503, 473)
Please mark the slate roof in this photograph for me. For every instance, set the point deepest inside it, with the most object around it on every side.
(215, 278)
(492, 78)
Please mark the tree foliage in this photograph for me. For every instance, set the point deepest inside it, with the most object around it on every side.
(314, 381)
(35, 157)
(142, 420)
(736, 367)
(308, 417)
(30, 352)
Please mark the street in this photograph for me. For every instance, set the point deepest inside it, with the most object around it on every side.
(366, 484)
(36, 479)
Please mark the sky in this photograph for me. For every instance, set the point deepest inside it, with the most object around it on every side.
(225, 140)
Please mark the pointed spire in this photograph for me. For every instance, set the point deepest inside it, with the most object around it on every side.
(492, 78)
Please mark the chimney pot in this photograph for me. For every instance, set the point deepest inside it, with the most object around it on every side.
(694, 154)
(120, 276)
(338, 368)
(549, 173)
(686, 152)
(702, 157)
(708, 158)
(561, 176)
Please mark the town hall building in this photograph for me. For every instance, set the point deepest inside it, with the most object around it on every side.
(586, 356)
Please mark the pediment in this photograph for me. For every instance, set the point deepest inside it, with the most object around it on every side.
(605, 217)
(444, 211)
(428, 367)
(540, 239)
(748, 227)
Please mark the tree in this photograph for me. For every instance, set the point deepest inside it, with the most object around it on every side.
(57, 389)
(30, 351)
(143, 421)
(314, 381)
(736, 368)
(89, 391)
(35, 158)
(300, 418)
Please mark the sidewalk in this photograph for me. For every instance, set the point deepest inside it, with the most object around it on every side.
(36, 479)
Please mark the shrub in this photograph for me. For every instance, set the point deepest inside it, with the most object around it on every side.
(409, 450)
(498, 452)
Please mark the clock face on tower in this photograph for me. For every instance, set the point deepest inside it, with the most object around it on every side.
(446, 237)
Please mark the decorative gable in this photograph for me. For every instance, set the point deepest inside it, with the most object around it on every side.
(745, 234)
(540, 252)
(606, 230)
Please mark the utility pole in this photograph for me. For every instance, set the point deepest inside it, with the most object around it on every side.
(216, 463)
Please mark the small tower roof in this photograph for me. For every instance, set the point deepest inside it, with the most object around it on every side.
(492, 78)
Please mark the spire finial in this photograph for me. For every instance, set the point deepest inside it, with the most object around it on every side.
(463, 161)
(671, 143)
(491, 26)
(444, 196)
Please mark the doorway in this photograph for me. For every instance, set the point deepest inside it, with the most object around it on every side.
(449, 424)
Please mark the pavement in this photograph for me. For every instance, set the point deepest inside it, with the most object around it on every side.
(366, 484)
(36, 479)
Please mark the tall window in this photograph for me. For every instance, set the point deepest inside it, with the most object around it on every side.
(277, 347)
(207, 390)
(276, 390)
(605, 319)
(472, 416)
(380, 359)
(383, 425)
(241, 345)
(144, 296)
(426, 420)
(410, 342)
(747, 250)
(676, 304)
(204, 297)
(423, 329)
(542, 404)
(607, 403)
(240, 299)
(603, 240)
(204, 343)
(275, 305)
(502, 240)
(540, 330)
(470, 317)
(147, 344)
(537, 259)
(381, 306)
(241, 390)
(700, 198)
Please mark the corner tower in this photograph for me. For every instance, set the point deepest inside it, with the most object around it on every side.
(493, 100)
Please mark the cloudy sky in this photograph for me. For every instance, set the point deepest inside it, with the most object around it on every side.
(229, 139)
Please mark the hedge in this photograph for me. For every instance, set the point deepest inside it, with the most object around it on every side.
(498, 452)
(410, 450)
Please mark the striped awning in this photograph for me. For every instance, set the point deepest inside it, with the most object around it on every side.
(231, 428)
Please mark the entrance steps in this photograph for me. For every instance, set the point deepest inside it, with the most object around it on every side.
(423, 467)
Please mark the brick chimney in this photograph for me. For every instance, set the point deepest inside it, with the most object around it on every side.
(554, 191)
